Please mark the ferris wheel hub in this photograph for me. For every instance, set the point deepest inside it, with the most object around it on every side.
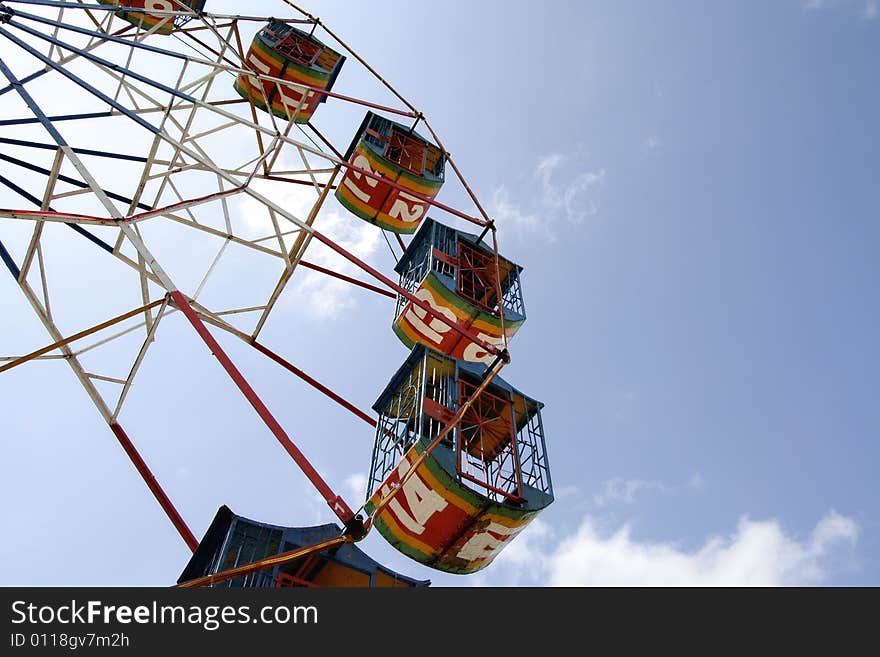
(355, 528)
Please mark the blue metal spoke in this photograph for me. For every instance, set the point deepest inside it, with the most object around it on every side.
(60, 142)
(103, 62)
(10, 263)
(78, 151)
(76, 5)
(32, 76)
(70, 76)
(60, 117)
(69, 180)
(101, 35)
(75, 227)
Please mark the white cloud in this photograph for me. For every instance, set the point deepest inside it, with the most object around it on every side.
(870, 8)
(559, 189)
(356, 486)
(573, 198)
(566, 492)
(624, 490)
(757, 553)
(321, 296)
(297, 200)
(508, 213)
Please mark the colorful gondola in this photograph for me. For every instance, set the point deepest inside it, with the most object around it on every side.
(158, 23)
(457, 275)
(479, 487)
(232, 541)
(282, 51)
(397, 153)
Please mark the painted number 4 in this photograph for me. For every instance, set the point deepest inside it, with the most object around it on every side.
(422, 501)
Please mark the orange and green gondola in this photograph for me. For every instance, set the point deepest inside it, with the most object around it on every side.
(456, 274)
(158, 23)
(282, 51)
(397, 153)
(479, 487)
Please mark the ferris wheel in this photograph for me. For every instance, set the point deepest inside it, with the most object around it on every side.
(121, 118)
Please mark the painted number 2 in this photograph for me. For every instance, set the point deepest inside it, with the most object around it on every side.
(404, 207)
(360, 162)
(404, 211)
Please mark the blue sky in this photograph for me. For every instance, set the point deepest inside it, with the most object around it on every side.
(692, 189)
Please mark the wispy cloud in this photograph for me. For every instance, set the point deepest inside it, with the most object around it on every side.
(627, 491)
(356, 486)
(624, 491)
(508, 213)
(295, 199)
(559, 189)
(566, 492)
(653, 143)
(757, 553)
(321, 295)
(870, 9)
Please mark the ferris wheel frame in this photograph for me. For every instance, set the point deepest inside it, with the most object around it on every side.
(188, 154)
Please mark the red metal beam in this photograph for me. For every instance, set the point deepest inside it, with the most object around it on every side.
(312, 382)
(154, 486)
(358, 101)
(112, 221)
(347, 279)
(335, 502)
(326, 141)
(284, 579)
(294, 181)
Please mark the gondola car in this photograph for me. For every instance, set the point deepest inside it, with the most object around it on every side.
(280, 50)
(479, 487)
(232, 541)
(158, 23)
(397, 154)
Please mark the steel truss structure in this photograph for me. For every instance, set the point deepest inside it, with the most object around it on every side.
(152, 132)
